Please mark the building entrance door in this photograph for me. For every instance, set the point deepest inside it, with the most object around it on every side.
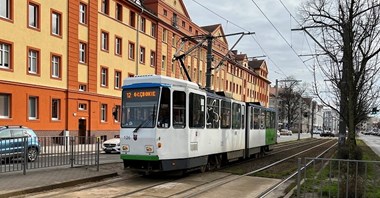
(82, 131)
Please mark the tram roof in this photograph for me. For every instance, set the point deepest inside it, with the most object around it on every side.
(156, 80)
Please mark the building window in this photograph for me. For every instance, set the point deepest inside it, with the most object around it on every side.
(118, 113)
(142, 55)
(104, 41)
(164, 35)
(190, 28)
(82, 106)
(5, 55)
(132, 19)
(153, 30)
(104, 77)
(131, 50)
(34, 15)
(5, 105)
(56, 24)
(173, 40)
(55, 109)
(105, 6)
(33, 61)
(142, 24)
(33, 108)
(117, 79)
(83, 13)
(82, 87)
(55, 66)
(82, 52)
(163, 62)
(5, 9)
(183, 24)
(152, 58)
(103, 113)
(118, 46)
(165, 13)
(119, 12)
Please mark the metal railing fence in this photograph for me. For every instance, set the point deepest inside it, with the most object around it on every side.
(321, 177)
(24, 153)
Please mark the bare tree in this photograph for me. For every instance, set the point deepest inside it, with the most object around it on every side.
(348, 31)
(290, 95)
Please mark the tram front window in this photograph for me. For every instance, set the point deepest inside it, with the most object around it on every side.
(140, 107)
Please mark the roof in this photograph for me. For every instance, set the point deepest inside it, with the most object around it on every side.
(211, 28)
(255, 64)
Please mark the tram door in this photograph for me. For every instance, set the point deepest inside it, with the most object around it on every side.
(197, 110)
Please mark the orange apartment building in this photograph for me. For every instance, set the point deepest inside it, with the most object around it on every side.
(62, 62)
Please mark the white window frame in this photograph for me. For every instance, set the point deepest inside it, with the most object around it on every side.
(55, 107)
(55, 66)
(33, 15)
(117, 80)
(33, 61)
(5, 55)
(33, 103)
(163, 65)
(104, 77)
(82, 106)
(142, 55)
(82, 87)
(82, 13)
(131, 51)
(103, 113)
(153, 30)
(56, 23)
(5, 13)
(118, 45)
(104, 41)
(5, 106)
(82, 52)
(152, 58)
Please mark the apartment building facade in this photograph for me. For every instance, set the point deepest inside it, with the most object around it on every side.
(62, 63)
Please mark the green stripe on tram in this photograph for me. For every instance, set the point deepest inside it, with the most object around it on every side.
(270, 136)
(140, 157)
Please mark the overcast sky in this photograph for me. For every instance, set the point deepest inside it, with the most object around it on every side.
(281, 59)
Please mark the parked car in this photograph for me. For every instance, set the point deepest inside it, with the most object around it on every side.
(317, 131)
(327, 133)
(12, 143)
(286, 132)
(112, 145)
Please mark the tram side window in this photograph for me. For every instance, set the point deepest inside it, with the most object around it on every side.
(226, 115)
(268, 119)
(251, 115)
(256, 119)
(179, 109)
(273, 120)
(262, 119)
(243, 116)
(212, 114)
(236, 116)
(164, 111)
(196, 111)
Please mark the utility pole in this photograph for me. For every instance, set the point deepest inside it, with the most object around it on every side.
(300, 121)
(312, 118)
(209, 38)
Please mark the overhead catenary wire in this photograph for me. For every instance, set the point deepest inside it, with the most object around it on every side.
(281, 35)
(238, 26)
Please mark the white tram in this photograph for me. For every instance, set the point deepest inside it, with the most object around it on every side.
(170, 124)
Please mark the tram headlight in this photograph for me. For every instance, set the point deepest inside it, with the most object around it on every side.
(159, 145)
(125, 148)
(149, 149)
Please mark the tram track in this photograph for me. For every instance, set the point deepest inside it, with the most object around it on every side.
(140, 186)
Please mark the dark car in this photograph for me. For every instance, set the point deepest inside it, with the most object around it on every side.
(15, 140)
(327, 134)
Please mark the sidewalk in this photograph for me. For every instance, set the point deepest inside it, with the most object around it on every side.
(15, 183)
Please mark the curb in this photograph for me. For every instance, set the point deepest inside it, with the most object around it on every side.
(60, 185)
